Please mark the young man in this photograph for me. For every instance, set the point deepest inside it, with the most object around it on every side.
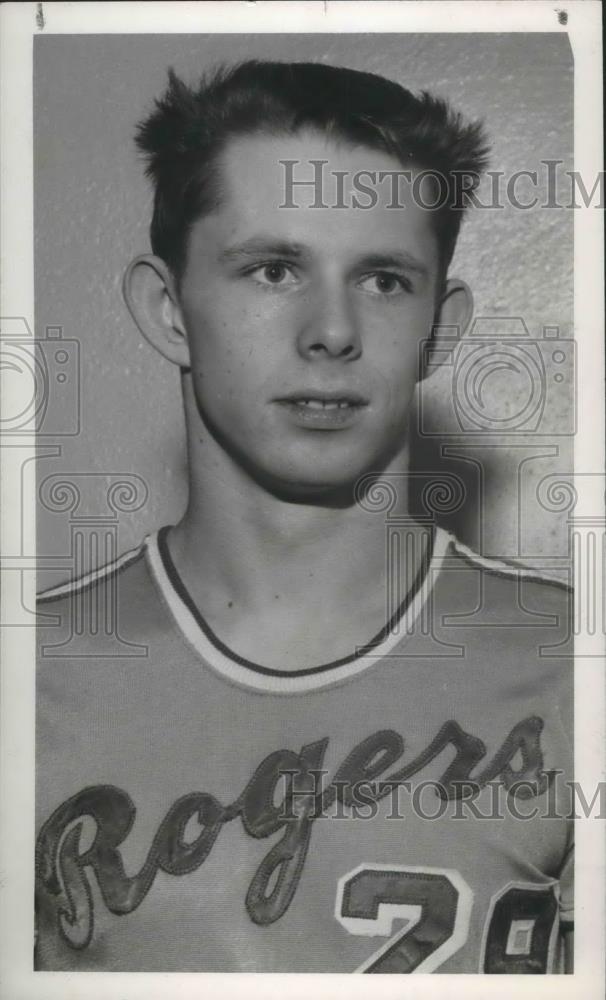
(292, 779)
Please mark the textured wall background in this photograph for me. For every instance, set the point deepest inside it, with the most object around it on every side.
(92, 210)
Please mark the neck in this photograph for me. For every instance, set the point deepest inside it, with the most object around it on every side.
(241, 542)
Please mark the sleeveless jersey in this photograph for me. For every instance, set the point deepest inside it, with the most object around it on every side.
(403, 810)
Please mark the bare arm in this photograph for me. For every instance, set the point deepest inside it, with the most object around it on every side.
(569, 951)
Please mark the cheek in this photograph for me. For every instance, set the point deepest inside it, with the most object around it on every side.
(398, 356)
(225, 333)
(211, 345)
(229, 375)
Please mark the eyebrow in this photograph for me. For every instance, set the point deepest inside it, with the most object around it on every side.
(398, 259)
(264, 246)
(269, 247)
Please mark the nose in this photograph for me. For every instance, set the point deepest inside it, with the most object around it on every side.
(329, 326)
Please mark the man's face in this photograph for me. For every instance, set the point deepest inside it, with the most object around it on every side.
(304, 323)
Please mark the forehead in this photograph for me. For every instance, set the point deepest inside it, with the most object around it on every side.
(350, 197)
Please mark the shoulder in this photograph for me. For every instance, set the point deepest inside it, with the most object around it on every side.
(506, 577)
(94, 611)
(505, 605)
(510, 618)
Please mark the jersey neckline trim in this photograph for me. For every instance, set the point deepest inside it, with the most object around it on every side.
(88, 580)
(238, 669)
(499, 567)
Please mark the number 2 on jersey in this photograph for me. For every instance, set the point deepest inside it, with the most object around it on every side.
(434, 902)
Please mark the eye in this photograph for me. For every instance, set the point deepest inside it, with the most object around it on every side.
(385, 283)
(273, 273)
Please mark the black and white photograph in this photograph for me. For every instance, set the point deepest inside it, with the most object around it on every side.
(304, 534)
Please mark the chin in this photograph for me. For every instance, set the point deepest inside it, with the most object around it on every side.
(313, 494)
(332, 486)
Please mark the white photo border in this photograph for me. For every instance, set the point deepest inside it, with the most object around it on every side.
(20, 23)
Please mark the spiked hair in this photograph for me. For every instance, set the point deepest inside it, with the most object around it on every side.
(188, 129)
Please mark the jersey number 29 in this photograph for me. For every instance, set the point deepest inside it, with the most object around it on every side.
(436, 905)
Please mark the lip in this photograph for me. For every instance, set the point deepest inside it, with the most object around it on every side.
(348, 396)
(331, 410)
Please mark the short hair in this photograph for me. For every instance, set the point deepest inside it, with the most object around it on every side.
(188, 129)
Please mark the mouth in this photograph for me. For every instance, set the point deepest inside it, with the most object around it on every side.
(323, 410)
(325, 400)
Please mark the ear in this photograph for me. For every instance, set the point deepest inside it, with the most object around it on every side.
(455, 309)
(451, 319)
(150, 294)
